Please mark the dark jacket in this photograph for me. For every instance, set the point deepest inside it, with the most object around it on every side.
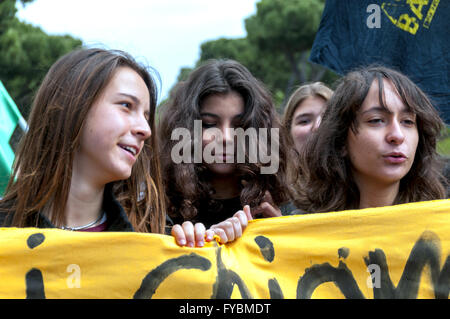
(116, 217)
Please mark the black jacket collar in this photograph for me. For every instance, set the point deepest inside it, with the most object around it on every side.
(116, 217)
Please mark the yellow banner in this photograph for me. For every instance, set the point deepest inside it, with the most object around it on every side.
(393, 252)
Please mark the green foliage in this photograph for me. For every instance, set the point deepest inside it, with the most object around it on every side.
(26, 54)
(444, 144)
(184, 73)
(226, 48)
(276, 48)
(285, 30)
(287, 26)
(7, 13)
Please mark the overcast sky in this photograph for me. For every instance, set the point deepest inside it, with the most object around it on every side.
(165, 34)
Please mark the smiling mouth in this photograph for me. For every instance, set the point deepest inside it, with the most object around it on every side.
(129, 149)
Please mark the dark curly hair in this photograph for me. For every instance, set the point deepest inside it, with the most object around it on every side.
(187, 184)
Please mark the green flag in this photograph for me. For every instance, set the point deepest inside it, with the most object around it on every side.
(10, 117)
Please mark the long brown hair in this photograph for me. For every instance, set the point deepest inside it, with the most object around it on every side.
(327, 183)
(42, 169)
(187, 184)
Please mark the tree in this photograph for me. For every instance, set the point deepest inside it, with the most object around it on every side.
(265, 67)
(26, 54)
(287, 28)
(276, 48)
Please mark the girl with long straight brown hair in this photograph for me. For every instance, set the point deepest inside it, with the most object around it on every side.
(375, 146)
(88, 161)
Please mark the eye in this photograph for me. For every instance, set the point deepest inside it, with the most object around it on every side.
(208, 125)
(238, 123)
(375, 121)
(304, 122)
(126, 104)
(409, 122)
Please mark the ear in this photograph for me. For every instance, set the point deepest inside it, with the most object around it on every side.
(344, 151)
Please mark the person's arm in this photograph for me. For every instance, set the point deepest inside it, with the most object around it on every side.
(267, 208)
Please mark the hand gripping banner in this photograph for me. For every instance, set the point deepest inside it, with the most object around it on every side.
(392, 252)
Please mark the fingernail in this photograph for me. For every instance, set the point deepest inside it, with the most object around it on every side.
(182, 242)
(200, 244)
(190, 244)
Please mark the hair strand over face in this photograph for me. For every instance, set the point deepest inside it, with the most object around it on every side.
(326, 182)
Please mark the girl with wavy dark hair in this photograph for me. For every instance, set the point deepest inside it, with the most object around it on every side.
(376, 146)
(222, 110)
(89, 159)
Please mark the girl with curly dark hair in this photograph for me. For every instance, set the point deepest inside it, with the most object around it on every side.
(376, 146)
(234, 151)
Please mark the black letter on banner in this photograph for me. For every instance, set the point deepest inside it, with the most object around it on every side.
(33, 279)
(226, 279)
(155, 277)
(266, 248)
(275, 289)
(35, 240)
(34, 284)
(425, 251)
(319, 274)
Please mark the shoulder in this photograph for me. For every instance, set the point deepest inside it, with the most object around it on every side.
(6, 216)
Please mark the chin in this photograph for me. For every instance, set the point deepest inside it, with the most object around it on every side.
(121, 174)
(393, 178)
(222, 169)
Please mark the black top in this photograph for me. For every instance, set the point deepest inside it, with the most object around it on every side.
(116, 217)
(208, 214)
(222, 209)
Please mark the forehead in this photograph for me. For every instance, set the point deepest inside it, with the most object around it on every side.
(223, 105)
(312, 104)
(390, 98)
(126, 81)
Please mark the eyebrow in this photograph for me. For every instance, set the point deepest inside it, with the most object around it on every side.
(136, 101)
(217, 116)
(386, 110)
(134, 98)
(304, 114)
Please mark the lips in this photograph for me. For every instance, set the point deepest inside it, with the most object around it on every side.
(131, 149)
(395, 157)
(225, 157)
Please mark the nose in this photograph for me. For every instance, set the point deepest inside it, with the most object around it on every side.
(227, 133)
(142, 128)
(227, 138)
(395, 134)
(316, 123)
